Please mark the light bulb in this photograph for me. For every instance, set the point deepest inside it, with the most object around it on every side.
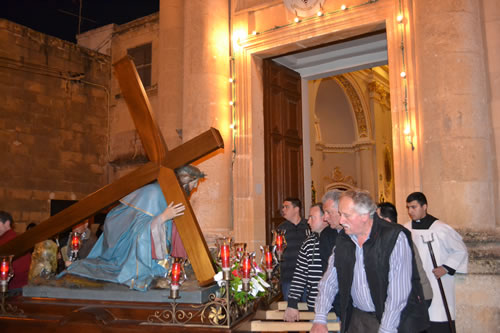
(400, 18)
(403, 74)
(254, 32)
(231, 103)
(296, 19)
(319, 13)
(407, 130)
(231, 80)
(343, 7)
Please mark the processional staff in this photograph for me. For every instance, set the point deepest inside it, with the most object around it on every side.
(440, 283)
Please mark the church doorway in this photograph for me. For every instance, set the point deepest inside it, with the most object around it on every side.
(345, 114)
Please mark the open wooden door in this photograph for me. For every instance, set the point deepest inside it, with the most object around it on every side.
(283, 140)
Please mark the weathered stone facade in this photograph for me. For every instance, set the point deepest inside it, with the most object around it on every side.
(53, 122)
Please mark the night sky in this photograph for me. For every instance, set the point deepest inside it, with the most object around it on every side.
(59, 18)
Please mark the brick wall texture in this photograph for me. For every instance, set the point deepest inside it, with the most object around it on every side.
(53, 122)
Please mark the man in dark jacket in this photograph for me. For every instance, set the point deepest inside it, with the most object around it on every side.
(373, 271)
(296, 230)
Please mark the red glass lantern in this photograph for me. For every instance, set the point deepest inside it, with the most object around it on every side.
(4, 270)
(224, 256)
(75, 242)
(279, 242)
(246, 267)
(175, 274)
(269, 259)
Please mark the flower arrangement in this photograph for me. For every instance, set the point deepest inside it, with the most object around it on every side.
(258, 286)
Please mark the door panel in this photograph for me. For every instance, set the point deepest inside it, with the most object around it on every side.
(283, 140)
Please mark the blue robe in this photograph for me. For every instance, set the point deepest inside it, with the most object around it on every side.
(123, 252)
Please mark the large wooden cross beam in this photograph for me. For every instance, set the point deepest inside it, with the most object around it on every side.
(160, 168)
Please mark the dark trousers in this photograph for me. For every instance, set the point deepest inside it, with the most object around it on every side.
(441, 327)
(363, 322)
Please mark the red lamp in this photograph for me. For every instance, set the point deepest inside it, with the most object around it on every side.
(6, 272)
(246, 270)
(176, 277)
(75, 245)
(269, 260)
(224, 256)
(279, 243)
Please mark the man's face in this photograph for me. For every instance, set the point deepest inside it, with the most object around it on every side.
(288, 211)
(4, 227)
(331, 216)
(352, 222)
(316, 221)
(415, 210)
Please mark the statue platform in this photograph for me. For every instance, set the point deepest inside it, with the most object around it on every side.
(71, 287)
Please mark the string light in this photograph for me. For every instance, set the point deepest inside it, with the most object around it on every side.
(231, 103)
(296, 19)
(407, 129)
(231, 80)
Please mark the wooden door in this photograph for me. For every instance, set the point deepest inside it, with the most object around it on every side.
(283, 140)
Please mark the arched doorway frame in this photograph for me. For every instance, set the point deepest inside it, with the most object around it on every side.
(248, 173)
(362, 128)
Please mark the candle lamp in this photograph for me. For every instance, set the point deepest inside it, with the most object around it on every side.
(246, 270)
(6, 272)
(76, 242)
(279, 243)
(267, 261)
(177, 276)
(225, 256)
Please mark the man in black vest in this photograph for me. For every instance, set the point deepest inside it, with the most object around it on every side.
(373, 271)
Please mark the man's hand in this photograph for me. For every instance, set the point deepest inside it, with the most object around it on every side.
(291, 314)
(439, 271)
(319, 328)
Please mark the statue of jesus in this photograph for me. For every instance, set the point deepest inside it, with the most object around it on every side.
(139, 235)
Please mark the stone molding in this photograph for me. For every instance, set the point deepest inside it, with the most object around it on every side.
(340, 148)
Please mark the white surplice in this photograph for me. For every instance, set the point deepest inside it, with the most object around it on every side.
(450, 250)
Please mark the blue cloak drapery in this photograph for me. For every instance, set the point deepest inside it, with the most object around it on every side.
(123, 252)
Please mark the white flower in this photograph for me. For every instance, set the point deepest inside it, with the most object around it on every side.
(218, 278)
(262, 282)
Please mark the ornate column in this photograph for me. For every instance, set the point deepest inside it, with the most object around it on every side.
(453, 118)
(491, 16)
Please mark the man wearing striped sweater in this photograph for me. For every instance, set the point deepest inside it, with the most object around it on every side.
(308, 270)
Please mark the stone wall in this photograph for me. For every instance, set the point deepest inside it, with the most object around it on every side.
(53, 122)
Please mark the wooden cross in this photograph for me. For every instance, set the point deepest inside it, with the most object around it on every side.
(160, 168)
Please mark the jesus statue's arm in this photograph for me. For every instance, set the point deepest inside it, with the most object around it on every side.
(158, 235)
